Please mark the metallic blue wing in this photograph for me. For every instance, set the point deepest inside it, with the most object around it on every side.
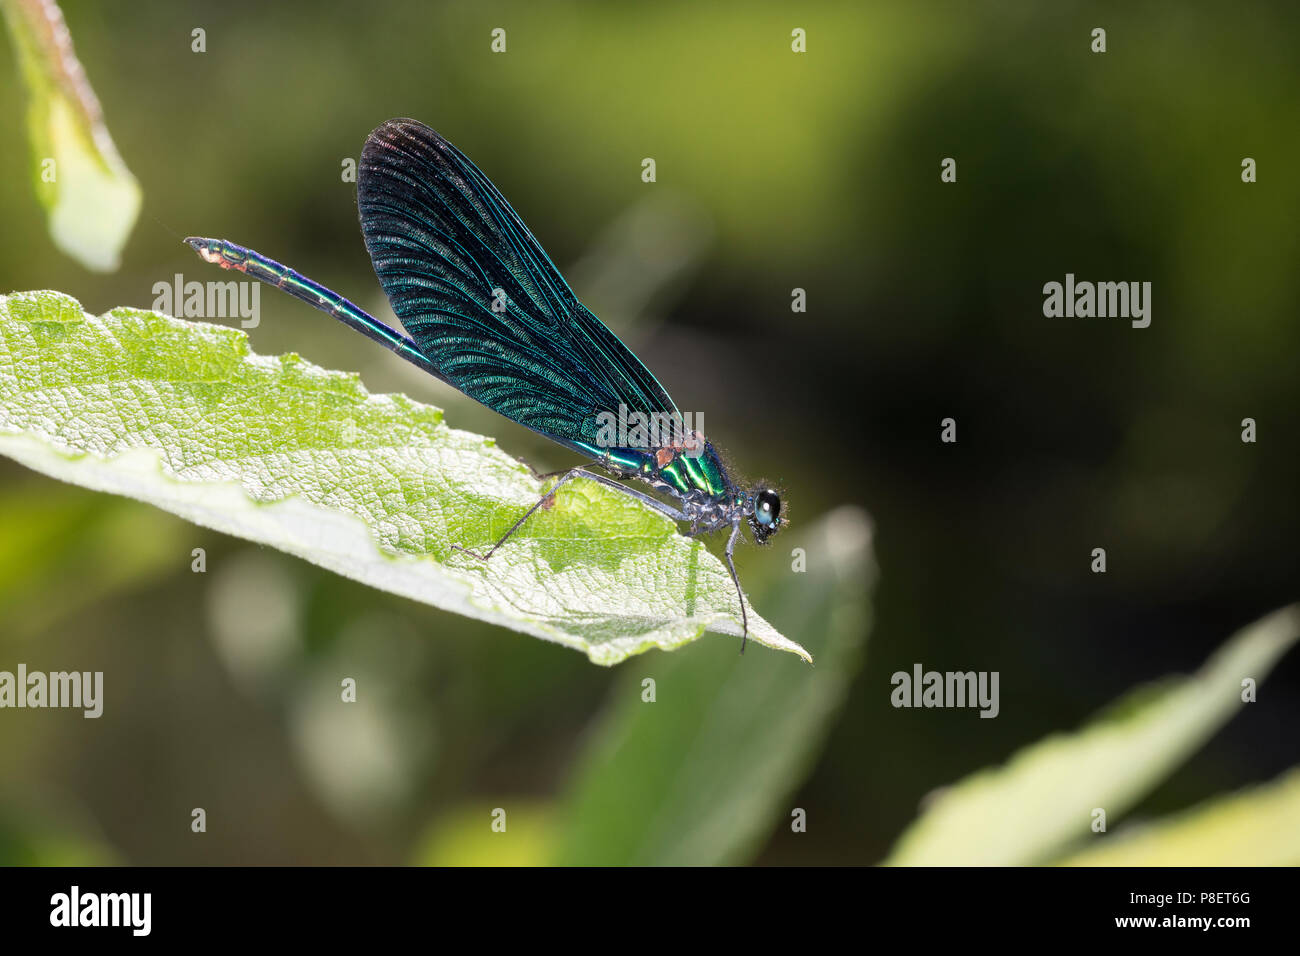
(480, 297)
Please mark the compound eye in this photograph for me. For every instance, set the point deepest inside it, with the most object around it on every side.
(767, 508)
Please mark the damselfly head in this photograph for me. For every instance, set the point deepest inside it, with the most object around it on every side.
(765, 519)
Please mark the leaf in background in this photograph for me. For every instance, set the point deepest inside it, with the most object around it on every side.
(1256, 827)
(1041, 802)
(375, 487)
(465, 837)
(697, 777)
(40, 827)
(104, 544)
(93, 201)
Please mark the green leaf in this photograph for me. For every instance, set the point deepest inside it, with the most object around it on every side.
(91, 200)
(1041, 802)
(375, 487)
(1256, 827)
(702, 775)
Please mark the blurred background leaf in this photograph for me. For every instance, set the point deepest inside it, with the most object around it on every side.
(90, 198)
(1043, 800)
(53, 537)
(466, 837)
(40, 828)
(698, 776)
(1253, 827)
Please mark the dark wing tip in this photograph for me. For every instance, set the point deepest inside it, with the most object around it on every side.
(400, 146)
(402, 129)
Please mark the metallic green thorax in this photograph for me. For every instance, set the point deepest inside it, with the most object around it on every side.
(702, 473)
(684, 475)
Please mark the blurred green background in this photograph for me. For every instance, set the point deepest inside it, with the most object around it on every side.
(775, 171)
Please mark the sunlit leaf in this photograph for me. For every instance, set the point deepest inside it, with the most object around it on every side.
(375, 487)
